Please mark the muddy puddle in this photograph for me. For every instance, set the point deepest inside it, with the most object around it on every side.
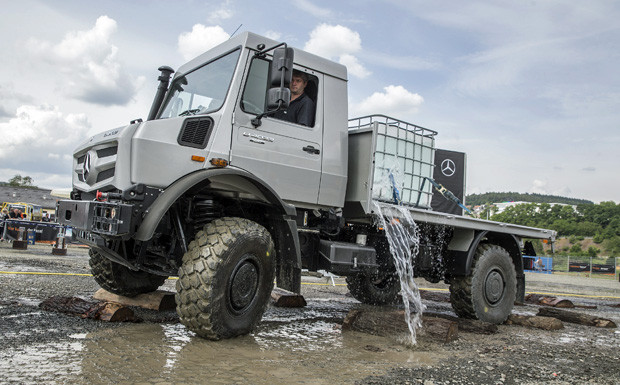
(304, 346)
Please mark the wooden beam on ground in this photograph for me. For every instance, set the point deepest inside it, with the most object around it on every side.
(391, 323)
(467, 325)
(98, 310)
(20, 245)
(285, 298)
(538, 322)
(576, 318)
(159, 300)
(538, 299)
(434, 296)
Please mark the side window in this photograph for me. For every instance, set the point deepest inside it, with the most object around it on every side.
(253, 99)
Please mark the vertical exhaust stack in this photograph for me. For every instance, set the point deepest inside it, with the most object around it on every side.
(164, 81)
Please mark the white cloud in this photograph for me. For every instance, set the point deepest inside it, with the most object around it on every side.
(222, 13)
(200, 39)
(89, 65)
(539, 187)
(312, 9)
(395, 101)
(336, 42)
(36, 136)
(273, 35)
(333, 40)
(353, 66)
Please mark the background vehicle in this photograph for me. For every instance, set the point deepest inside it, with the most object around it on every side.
(31, 211)
(213, 189)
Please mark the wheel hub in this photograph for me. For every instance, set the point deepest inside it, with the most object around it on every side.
(494, 287)
(244, 285)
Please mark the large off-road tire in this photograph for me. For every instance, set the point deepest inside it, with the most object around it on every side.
(374, 290)
(121, 280)
(226, 278)
(489, 293)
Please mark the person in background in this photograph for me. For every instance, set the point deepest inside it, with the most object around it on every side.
(538, 265)
(4, 215)
(46, 217)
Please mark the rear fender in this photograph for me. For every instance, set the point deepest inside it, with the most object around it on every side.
(462, 250)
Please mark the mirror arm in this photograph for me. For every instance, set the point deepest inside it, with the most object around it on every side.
(256, 122)
(261, 53)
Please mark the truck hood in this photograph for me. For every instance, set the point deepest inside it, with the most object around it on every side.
(104, 136)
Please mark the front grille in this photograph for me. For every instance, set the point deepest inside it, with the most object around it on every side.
(105, 174)
(97, 164)
(105, 152)
(195, 132)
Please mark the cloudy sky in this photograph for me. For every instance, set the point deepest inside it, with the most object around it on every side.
(526, 89)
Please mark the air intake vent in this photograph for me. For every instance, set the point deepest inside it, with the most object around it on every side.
(106, 174)
(107, 152)
(195, 132)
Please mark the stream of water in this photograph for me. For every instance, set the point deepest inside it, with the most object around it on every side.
(403, 237)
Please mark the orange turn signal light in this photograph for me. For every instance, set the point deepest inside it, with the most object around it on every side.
(197, 158)
(219, 162)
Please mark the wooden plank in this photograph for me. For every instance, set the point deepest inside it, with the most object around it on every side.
(434, 296)
(538, 322)
(539, 299)
(467, 325)
(20, 245)
(159, 300)
(577, 318)
(98, 310)
(285, 298)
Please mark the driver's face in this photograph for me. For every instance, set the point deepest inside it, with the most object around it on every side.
(297, 85)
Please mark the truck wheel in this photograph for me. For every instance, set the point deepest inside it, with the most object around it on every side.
(373, 290)
(121, 280)
(489, 293)
(226, 278)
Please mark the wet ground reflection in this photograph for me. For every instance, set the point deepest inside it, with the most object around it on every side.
(290, 346)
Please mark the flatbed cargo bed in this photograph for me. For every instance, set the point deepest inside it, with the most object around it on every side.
(469, 223)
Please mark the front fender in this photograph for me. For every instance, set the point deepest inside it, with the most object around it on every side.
(235, 178)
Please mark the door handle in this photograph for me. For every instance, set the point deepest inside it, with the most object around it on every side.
(311, 150)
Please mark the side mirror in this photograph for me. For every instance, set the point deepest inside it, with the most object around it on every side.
(278, 98)
(280, 75)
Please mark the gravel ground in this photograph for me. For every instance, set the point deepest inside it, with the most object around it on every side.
(290, 346)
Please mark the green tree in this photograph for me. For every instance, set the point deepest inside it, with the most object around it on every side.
(576, 249)
(593, 251)
(612, 246)
(21, 181)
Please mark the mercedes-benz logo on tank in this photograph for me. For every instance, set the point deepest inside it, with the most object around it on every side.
(448, 168)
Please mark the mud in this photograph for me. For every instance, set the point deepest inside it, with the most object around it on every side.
(290, 346)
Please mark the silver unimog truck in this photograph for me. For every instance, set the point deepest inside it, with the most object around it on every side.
(216, 190)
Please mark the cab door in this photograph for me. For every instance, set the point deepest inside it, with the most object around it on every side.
(287, 156)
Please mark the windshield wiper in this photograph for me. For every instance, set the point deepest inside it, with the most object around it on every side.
(190, 112)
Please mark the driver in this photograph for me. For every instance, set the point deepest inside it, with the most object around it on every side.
(301, 108)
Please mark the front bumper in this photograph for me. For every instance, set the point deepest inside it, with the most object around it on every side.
(102, 218)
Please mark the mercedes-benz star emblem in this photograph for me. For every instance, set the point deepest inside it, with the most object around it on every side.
(448, 168)
(87, 165)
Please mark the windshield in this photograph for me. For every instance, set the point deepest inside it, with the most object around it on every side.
(202, 90)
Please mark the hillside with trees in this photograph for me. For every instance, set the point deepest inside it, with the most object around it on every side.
(495, 197)
(600, 221)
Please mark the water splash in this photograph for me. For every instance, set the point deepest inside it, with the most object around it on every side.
(404, 240)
